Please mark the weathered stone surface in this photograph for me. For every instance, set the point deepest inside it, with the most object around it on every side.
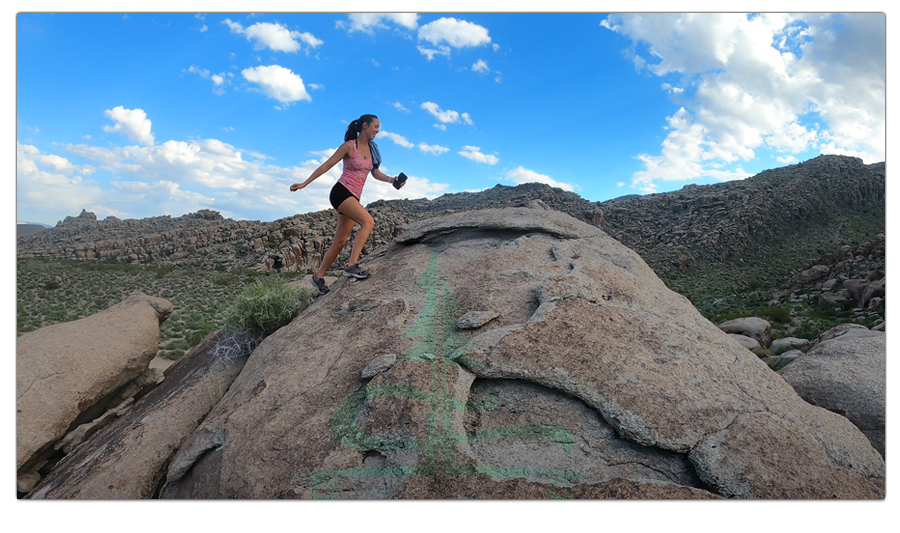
(745, 341)
(617, 366)
(790, 343)
(846, 375)
(476, 319)
(844, 330)
(128, 458)
(755, 328)
(380, 364)
(62, 371)
(759, 456)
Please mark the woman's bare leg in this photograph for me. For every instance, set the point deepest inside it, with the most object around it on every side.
(352, 209)
(341, 234)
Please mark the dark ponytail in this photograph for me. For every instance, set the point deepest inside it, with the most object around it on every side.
(356, 126)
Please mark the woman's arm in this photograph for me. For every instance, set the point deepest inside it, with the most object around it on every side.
(381, 176)
(342, 152)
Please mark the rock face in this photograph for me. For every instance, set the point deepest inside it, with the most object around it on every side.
(846, 374)
(64, 371)
(128, 459)
(595, 380)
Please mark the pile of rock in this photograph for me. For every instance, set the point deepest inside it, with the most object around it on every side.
(853, 278)
(842, 371)
(751, 220)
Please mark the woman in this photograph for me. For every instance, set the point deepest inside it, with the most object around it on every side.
(357, 154)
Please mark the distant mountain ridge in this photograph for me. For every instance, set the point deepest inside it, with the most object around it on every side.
(722, 236)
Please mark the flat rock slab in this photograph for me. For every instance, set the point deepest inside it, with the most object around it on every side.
(592, 363)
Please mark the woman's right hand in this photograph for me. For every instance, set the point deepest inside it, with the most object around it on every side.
(297, 186)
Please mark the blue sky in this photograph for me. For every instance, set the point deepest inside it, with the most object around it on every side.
(146, 114)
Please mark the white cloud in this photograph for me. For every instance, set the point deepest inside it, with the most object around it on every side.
(446, 117)
(274, 36)
(431, 52)
(775, 82)
(399, 107)
(433, 148)
(367, 22)
(131, 122)
(278, 82)
(455, 33)
(177, 177)
(480, 66)
(474, 153)
(520, 175)
(218, 79)
(398, 139)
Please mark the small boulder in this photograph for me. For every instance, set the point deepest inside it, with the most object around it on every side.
(745, 341)
(755, 328)
(791, 343)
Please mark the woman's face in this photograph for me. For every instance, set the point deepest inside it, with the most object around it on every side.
(370, 129)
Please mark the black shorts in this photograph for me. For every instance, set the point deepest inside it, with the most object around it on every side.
(339, 193)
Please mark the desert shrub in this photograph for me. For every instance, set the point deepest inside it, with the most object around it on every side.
(266, 306)
(763, 352)
(776, 313)
(52, 285)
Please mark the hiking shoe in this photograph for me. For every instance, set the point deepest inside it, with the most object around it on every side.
(353, 271)
(319, 283)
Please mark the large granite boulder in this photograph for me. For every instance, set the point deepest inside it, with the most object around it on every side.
(128, 459)
(63, 371)
(593, 380)
(846, 374)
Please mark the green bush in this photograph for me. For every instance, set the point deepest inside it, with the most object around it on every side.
(777, 313)
(266, 306)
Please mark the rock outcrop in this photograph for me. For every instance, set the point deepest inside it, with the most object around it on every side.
(128, 459)
(593, 380)
(845, 373)
(733, 233)
(69, 374)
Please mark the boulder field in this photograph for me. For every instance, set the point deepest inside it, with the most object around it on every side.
(514, 353)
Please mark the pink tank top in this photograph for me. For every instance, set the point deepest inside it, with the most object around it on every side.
(356, 169)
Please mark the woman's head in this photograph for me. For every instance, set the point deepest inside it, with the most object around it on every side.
(366, 124)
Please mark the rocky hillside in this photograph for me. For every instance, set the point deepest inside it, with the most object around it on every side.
(701, 239)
